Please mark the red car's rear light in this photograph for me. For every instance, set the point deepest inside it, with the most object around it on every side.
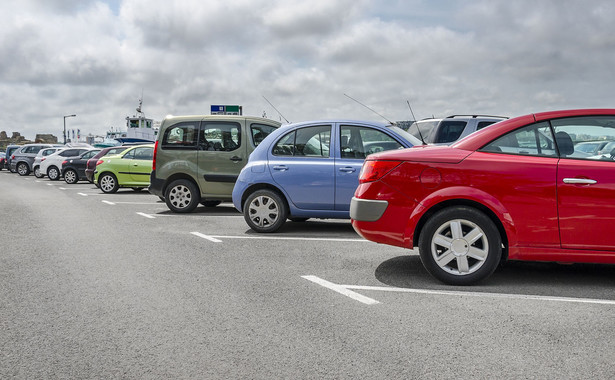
(99, 162)
(155, 151)
(374, 170)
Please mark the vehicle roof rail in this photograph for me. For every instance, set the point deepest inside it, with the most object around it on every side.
(474, 116)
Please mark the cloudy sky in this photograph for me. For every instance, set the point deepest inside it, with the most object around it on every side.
(96, 58)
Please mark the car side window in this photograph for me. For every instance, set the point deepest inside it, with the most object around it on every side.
(586, 138)
(483, 124)
(143, 153)
(220, 136)
(181, 136)
(305, 142)
(47, 152)
(532, 140)
(69, 152)
(129, 155)
(359, 142)
(260, 131)
(114, 151)
(449, 131)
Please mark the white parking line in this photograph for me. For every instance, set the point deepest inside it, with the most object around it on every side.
(210, 238)
(75, 188)
(286, 238)
(342, 290)
(481, 294)
(109, 203)
(146, 215)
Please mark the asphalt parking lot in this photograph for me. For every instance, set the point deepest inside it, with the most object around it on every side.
(117, 286)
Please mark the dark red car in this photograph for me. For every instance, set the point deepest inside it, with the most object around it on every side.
(517, 190)
(90, 166)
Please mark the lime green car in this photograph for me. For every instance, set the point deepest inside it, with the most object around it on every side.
(131, 168)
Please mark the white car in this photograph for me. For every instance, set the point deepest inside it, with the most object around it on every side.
(51, 165)
(37, 160)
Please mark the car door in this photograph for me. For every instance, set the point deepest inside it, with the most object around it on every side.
(302, 165)
(355, 143)
(221, 156)
(586, 186)
(80, 163)
(141, 164)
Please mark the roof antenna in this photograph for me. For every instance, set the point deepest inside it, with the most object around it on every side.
(417, 125)
(369, 109)
(279, 113)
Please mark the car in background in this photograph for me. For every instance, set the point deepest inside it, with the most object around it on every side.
(310, 170)
(197, 158)
(591, 147)
(51, 165)
(513, 191)
(451, 128)
(22, 160)
(91, 164)
(131, 168)
(39, 156)
(7, 158)
(2, 159)
(73, 168)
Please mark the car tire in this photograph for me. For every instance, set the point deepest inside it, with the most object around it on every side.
(265, 211)
(460, 245)
(211, 203)
(23, 169)
(182, 196)
(37, 172)
(108, 183)
(53, 173)
(71, 177)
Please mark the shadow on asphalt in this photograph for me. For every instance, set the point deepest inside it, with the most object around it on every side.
(515, 277)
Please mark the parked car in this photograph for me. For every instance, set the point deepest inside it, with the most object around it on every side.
(310, 170)
(131, 168)
(91, 164)
(2, 159)
(197, 158)
(514, 191)
(52, 165)
(7, 159)
(22, 159)
(73, 168)
(591, 147)
(451, 128)
(39, 156)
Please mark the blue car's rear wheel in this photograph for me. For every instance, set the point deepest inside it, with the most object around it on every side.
(265, 211)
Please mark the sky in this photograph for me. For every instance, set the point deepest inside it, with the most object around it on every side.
(96, 59)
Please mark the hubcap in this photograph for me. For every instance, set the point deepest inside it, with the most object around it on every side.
(180, 196)
(107, 183)
(22, 169)
(263, 211)
(70, 176)
(459, 247)
(53, 173)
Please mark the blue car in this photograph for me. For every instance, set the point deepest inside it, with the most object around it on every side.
(310, 170)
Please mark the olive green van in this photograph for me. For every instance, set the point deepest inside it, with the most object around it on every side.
(197, 158)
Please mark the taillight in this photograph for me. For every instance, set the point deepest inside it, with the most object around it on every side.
(64, 162)
(374, 170)
(99, 162)
(155, 152)
(43, 159)
(12, 157)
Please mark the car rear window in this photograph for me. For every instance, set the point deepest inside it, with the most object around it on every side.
(449, 131)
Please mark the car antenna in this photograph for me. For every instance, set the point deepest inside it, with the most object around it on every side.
(417, 125)
(279, 113)
(370, 109)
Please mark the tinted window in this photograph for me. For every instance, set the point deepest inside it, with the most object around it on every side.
(69, 152)
(307, 142)
(220, 136)
(181, 136)
(532, 140)
(449, 131)
(483, 124)
(89, 154)
(144, 153)
(586, 138)
(259, 132)
(358, 142)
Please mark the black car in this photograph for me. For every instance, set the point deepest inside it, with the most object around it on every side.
(73, 168)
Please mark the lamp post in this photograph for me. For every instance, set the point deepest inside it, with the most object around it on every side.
(65, 126)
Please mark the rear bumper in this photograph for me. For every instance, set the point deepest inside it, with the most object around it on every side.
(367, 210)
(156, 186)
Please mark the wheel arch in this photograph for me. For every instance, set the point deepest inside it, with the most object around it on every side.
(264, 186)
(469, 203)
(177, 176)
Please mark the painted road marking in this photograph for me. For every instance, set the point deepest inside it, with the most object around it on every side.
(342, 290)
(86, 195)
(76, 188)
(146, 215)
(482, 294)
(130, 203)
(286, 238)
(109, 203)
(210, 238)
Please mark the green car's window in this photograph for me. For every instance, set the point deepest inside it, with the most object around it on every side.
(129, 155)
(260, 131)
(220, 136)
(144, 153)
(181, 136)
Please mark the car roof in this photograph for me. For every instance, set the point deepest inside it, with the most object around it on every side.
(175, 119)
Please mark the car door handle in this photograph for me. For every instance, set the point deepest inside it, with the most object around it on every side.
(348, 169)
(281, 168)
(236, 159)
(580, 181)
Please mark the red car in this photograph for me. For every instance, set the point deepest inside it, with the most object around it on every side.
(90, 165)
(516, 190)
